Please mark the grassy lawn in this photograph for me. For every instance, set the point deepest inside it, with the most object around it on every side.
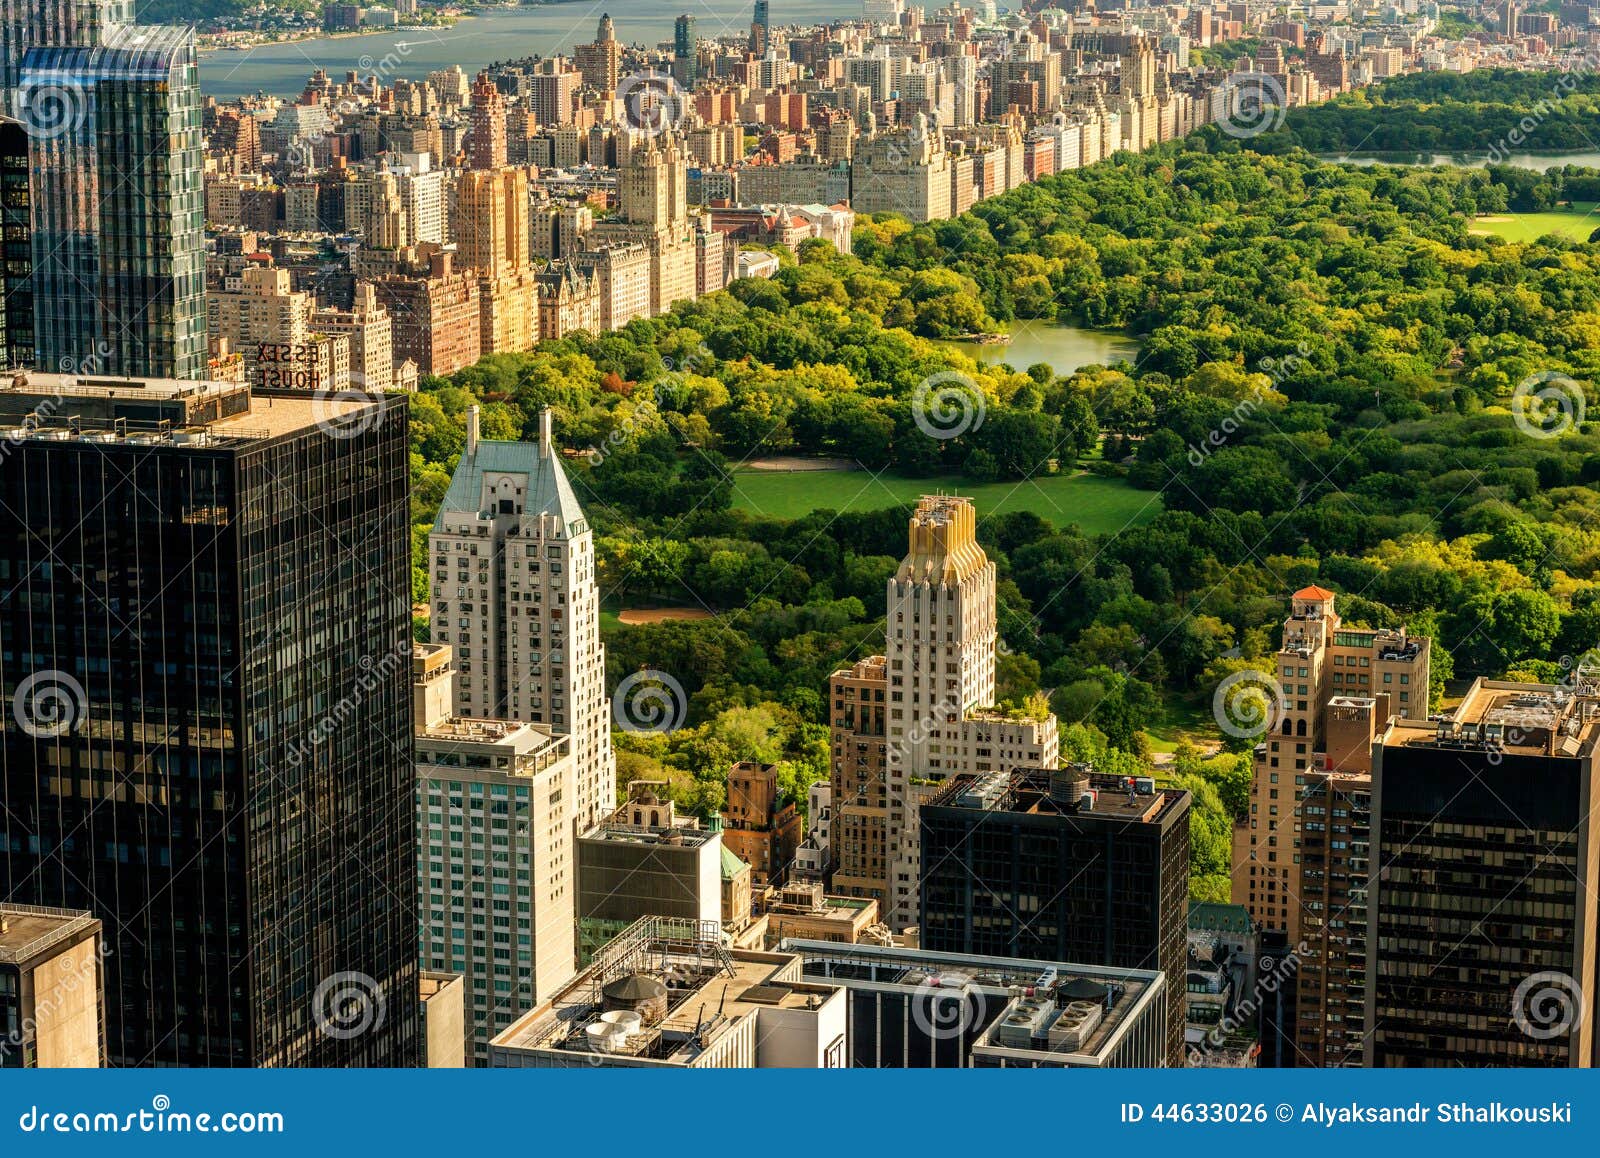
(1576, 222)
(1097, 505)
(1183, 719)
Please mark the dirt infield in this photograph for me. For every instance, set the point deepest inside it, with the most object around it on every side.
(661, 614)
(791, 462)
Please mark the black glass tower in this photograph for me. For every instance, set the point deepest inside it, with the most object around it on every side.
(204, 639)
(1061, 865)
(1481, 904)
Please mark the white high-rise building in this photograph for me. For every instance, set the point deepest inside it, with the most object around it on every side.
(496, 854)
(513, 591)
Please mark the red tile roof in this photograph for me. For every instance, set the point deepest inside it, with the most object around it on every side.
(1314, 592)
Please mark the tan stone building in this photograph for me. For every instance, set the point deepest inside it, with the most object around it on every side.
(760, 826)
(1300, 854)
(906, 173)
(569, 300)
(367, 328)
(52, 989)
(271, 325)
(856, 697)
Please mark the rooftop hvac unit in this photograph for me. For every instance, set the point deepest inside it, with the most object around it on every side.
(1077, 1023)
(1024, 1022)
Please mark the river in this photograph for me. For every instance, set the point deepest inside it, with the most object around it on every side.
(1063, 348)
(282, 69)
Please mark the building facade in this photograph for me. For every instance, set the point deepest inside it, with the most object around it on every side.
(118, 207)
(496, 862)
(1060, 865)
(513, 592)
(1481, 915)
(203, 755)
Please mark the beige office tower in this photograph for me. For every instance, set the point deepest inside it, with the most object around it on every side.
(940, 661)
(496, 856)
(1300, 855)
(513, 591)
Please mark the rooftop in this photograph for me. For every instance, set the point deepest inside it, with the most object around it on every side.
(1075, 790)
(678, 836)
(1044, 1002)
(1509, 716)
(545, 491)
(33, 930)
(688, 988)
(162, 411)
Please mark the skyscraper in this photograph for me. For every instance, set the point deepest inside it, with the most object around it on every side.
(1482, 914)
(904, 721)
(514, 593)
(761, 29)
(1300, 854)
(685, 51)
(26, 24)
(486, 140)
(207, 731)
(1060, 865)
(118, 205)
(600, 62)
(16, 248)
(497, 862)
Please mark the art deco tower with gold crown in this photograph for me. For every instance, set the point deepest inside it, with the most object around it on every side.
(939, 675)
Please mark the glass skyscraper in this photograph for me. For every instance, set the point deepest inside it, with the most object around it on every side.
(26, 24)
(204, 658)
(16, 250)
(118, 204)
